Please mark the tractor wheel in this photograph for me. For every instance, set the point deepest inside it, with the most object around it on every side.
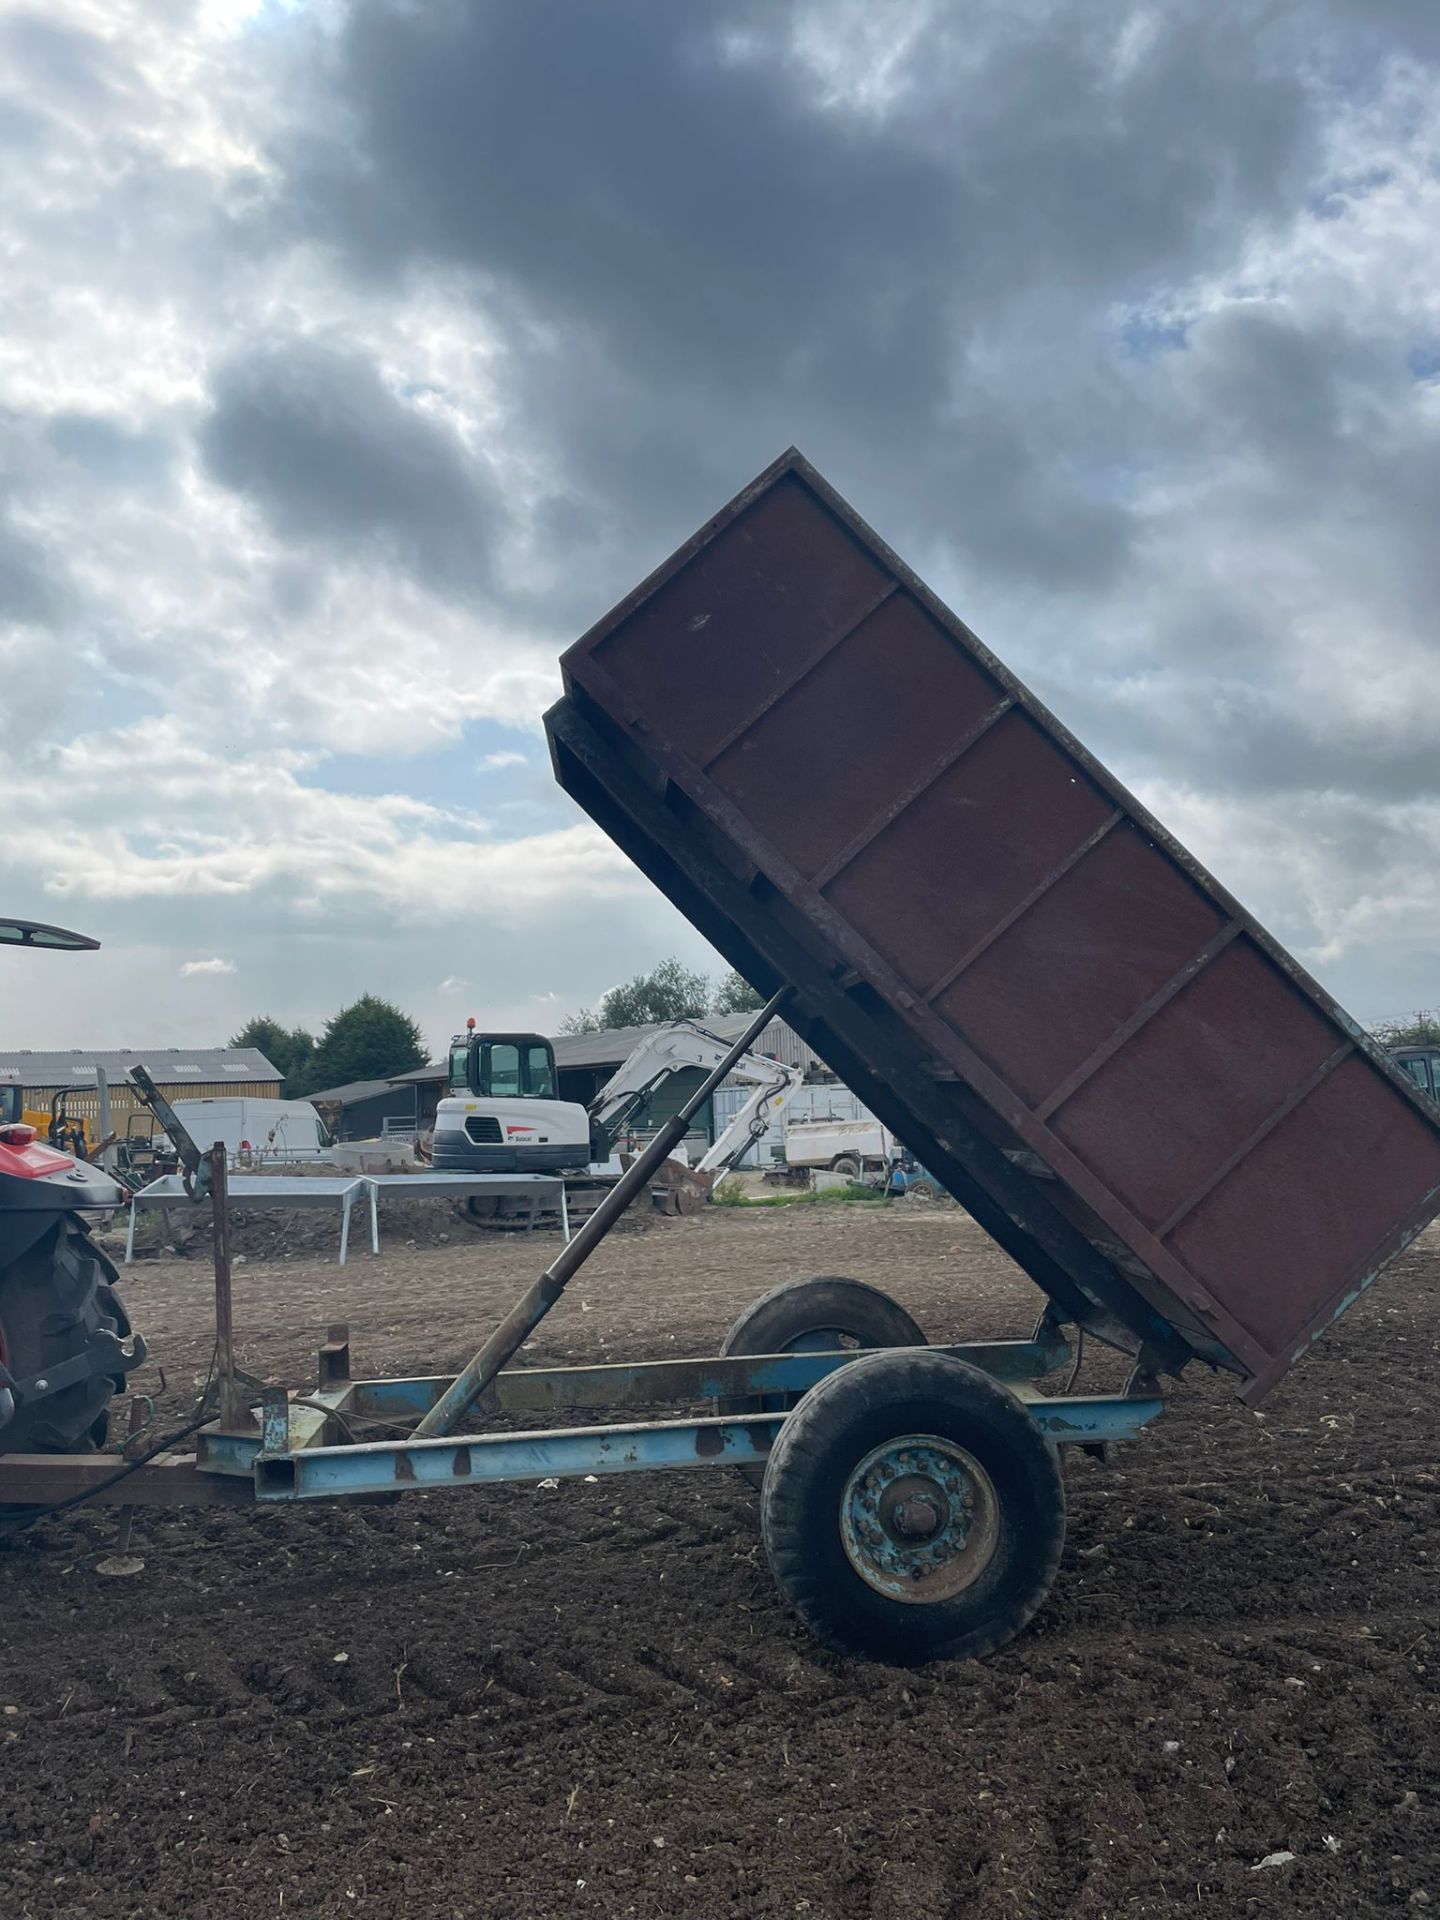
(921, 1190)
(51, 1301)
(814, 1316)
(913, 1510)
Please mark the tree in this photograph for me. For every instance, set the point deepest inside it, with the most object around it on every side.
(585, 1021)
(289, 1049)
(1420, 1029)
(736, 995)
(369, 1040)
(668, 992)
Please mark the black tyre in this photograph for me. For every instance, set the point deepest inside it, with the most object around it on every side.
(913, 1510)
(820, 1315)
(848, 1165)
(51, 1301)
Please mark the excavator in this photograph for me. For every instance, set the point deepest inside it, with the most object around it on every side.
(502, 1113)
(65, 1338)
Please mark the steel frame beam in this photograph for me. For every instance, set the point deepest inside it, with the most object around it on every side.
(648, 1382)
(492, 1459)
(293, 1453)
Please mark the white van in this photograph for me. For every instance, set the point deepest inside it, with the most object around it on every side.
(266, 1129)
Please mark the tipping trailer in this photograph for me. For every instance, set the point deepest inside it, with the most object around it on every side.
(1151, 1106)
(1188, 1147)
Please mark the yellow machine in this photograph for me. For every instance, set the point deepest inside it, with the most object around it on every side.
(72, 1133)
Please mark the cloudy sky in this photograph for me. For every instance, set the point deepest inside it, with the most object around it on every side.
(353, 359)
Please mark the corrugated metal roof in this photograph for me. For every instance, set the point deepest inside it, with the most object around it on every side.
(354, 1091)
(167, 1066)
(611, 1045)
(604, 1049)
(421, 1076)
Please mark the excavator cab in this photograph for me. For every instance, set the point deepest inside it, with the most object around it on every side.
(1422, 1064)
(512, 1066)
(501, 1112)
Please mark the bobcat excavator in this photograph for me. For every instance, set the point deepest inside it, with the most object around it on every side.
(65, 1339)
(502, 1114)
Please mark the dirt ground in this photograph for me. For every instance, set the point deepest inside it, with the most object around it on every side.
(588, 1701)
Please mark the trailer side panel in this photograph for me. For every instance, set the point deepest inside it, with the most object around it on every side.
(1210, 1143)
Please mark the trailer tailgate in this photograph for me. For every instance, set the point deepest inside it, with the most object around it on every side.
(999, 947)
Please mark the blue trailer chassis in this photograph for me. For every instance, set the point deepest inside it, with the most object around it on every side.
(305, 1446)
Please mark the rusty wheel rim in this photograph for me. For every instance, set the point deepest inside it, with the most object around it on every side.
(919, 1519)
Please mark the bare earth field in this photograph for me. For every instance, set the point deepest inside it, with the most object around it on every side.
(589, 1702)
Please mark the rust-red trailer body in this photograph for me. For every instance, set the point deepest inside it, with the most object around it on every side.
(1186, 1143)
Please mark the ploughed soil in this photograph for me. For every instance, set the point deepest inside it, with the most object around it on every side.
(588, 1700)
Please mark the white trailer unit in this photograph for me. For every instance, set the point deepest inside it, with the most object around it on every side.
(844, 1146)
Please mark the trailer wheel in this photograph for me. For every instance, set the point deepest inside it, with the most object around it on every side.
(848, 1165)
(820, 1315)
(52, 1300)
(913, 1510)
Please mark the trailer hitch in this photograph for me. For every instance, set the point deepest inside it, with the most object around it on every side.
(103, 1353)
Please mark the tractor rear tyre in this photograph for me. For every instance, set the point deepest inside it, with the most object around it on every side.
(52, 1300)
(913, 1510)
(821, 1315)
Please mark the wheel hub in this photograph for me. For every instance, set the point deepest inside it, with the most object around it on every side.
(915, 1518)
(919, 1519)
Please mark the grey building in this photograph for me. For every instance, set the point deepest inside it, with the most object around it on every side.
(360, 1109)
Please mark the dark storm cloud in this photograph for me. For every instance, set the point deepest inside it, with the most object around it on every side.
(1246, 737)
(693, 256)
(722, 262)
(713, 215)
(327, 452)
(1413, 25)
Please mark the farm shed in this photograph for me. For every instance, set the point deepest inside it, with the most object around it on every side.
(181, 1073)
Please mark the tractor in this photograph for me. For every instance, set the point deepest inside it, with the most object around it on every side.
(65, 1339)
